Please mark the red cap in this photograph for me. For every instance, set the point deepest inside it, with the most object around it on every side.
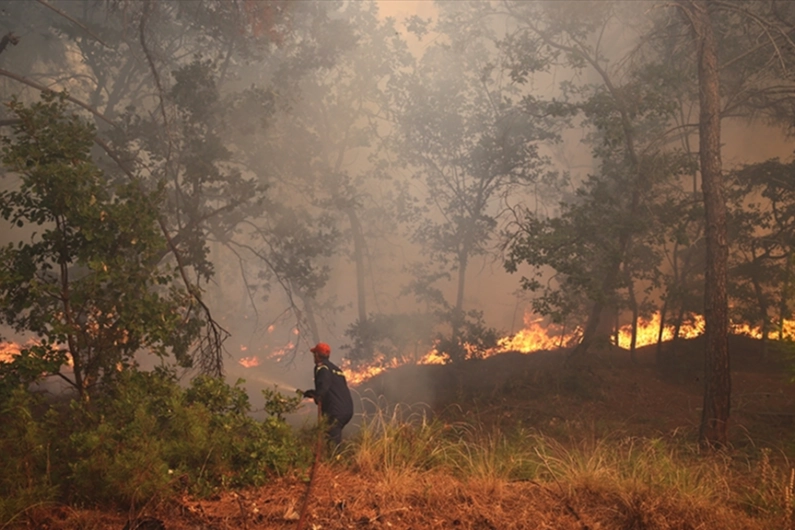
(321, 348)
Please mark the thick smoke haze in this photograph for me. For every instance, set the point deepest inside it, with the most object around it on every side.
(332, 114)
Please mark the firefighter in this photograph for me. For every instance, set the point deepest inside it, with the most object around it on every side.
(331, 392)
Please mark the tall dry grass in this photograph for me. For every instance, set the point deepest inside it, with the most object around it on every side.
(399, 445)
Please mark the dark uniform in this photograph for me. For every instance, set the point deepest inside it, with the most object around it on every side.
(331, 391)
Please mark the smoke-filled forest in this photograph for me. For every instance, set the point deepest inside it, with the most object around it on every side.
(549, 246)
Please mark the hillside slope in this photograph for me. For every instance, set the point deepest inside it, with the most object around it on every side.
(606, 390)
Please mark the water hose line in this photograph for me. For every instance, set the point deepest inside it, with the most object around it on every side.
(318, 451)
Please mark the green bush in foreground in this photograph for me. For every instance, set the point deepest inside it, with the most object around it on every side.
(145, 438)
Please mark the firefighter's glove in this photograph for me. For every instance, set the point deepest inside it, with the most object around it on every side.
(309, 394)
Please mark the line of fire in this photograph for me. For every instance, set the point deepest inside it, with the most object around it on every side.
(535, 336)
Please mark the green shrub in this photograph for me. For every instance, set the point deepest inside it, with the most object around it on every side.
(24, 456)
(142, 438)
(153, 439)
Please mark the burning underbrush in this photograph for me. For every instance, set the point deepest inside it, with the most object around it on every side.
(538, 335)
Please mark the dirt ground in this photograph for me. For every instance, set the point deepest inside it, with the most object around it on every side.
(345, 500)
(607, 392)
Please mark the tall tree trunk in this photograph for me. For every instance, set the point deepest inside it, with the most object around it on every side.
(762, 303)
(663, 315)
(598, 327)
(786, 291)
(717, 376)
(361, 293)
(309, 316)
(671, 295)
(633, 302)
(457, 318)
(358, 259)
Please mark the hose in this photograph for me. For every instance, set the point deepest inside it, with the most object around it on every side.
(318, 451)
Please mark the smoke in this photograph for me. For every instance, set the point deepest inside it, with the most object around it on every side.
(262, 318)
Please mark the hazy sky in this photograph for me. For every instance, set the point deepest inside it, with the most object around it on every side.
(402, 8)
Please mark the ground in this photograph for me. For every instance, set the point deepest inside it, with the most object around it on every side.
(606, 393)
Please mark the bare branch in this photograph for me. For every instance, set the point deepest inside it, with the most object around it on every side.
(147, 53)
(210, 349)
(73, 21)
(766, 28)
(42, 88)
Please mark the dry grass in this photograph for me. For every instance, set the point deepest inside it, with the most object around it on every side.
(434, 500)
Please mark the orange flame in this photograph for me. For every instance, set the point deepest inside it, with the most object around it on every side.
(249, 362)
(8, 350)
(360, 374)
(279, 353)
(538, 337)
(648, 331)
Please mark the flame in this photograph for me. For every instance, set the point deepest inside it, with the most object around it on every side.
(359, 374)
(249, 362)
(649, 329)
(537, 336)
(279, 353)
(8, 350)
(433, 357)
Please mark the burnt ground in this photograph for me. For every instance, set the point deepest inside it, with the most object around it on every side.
(549, 392)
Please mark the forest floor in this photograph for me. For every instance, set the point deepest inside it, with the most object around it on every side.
(607, 394)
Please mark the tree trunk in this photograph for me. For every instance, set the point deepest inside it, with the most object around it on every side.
(663, 315)
(762, 303)
(309, 316)
(633, 302)
(358, 259)
(717, 376)
(786, 290)
(457, 320)
(597, 328)
(361, 293)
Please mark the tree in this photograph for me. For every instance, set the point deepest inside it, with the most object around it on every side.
(473, 142)
(717, 395)
(750, 78)
(88, 283)
(762, 228)
(753, 32)
(602, 242)
(681, 225)
(334, 154)
(183, 93)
